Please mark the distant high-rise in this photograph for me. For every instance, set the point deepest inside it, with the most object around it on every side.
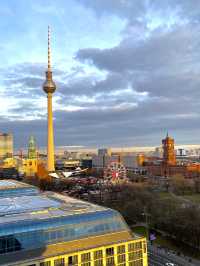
(49, 87)
(32, 153)
(6, 145)
(169, 156)
(103, 152)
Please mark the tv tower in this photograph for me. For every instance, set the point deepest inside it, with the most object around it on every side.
(49, 87)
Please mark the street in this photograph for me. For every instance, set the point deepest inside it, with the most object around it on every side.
(158, 257)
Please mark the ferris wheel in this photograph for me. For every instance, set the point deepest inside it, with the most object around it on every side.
(115, 172)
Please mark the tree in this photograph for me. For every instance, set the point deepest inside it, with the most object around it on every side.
(180, 185)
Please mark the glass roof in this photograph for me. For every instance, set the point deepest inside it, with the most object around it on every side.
(43, 206)
(48, 217)
(16, 205)
(12, 188)
(8, 184)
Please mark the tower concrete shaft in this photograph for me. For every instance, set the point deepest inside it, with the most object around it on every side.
(50, 137)
(49, 87)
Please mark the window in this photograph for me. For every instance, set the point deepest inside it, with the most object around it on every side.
(134, 246)
(59, 262)
(138, 245)
(110, 261)
(136, 263)
(85, 264)
(73, 260)
(144, 247)
(121, 249)
(85, 257)
(135, 255)
(109, 251)
(121, 258)
(98, 254)
(131, 256)
(98, 262)
(45, 263)
(9, 244)
(131, 247)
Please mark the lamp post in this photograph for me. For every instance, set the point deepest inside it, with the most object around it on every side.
(146, 222)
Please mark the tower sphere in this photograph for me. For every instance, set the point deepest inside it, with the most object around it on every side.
(49, 85)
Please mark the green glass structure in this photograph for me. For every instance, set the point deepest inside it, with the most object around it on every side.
(32, 153)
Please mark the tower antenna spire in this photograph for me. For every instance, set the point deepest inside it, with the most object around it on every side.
(49, 50)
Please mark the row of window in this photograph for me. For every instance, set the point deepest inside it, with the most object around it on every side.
(134, 257)
(109, 262)
(34, 239)
(134, 246)
(99, 217)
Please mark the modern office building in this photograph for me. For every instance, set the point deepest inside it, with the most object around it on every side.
(103, 152)
(49, 229)
(6, 145)
(129, 160)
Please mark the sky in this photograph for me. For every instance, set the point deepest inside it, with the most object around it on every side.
(127, 71)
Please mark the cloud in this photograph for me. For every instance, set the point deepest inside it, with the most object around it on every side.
(164, 63)
(124, 92)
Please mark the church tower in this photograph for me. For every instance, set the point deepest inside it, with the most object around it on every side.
(49, 88)
(32, 153)
(169, 156)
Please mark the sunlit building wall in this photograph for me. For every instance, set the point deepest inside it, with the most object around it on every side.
(6, 145)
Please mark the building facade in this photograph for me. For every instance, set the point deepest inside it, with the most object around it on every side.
(6, 145)
(49, 229)
(105, 157)
(29, 166)
(169, 155)
(32, 150)
(168, 165)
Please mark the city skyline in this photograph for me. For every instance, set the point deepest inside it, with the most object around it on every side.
(124, 84)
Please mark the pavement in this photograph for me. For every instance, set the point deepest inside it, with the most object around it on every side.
(160, 257)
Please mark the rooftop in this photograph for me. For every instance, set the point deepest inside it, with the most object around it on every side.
(11, 188)
(30, 220)
(10, 184)
(46, 205)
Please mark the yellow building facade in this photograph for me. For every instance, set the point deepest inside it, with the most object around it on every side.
(28, 167)
(6, 145)
(9, 162)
